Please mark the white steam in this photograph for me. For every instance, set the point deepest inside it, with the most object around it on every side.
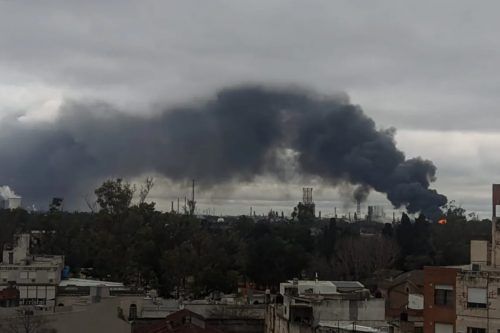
(6, 192)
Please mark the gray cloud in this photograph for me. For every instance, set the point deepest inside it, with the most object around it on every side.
(423, 66)
(399, 60)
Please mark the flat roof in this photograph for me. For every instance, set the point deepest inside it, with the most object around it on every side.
(353, 327)
(89, 283)
(348, 284)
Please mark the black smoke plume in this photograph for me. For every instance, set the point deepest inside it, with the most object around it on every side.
(242, 132)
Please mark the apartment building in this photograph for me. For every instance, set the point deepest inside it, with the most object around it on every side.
(440, 292)
(326, 306)
(466, 299)
(35, 276)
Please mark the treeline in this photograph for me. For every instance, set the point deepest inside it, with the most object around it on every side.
(174, 253)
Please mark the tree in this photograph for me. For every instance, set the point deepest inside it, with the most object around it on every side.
(145, 189)
(387, 231)
(305, 212)
(327, 240)
(358, 257)
(26, 321)
(114, 196)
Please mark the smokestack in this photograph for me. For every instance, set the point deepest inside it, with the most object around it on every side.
(191, 203)
(8, 198)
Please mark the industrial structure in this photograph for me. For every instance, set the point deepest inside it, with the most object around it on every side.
(307, 206)
(11, 202)
(192, 203)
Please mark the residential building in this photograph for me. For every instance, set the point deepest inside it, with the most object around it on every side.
(35, 276)
(404, 301)
(466, 299)
(326, 306)
(478, 284)
(439, 299)
(478, 300)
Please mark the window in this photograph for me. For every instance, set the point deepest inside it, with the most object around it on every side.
(132, 312)
(443, 328)
(443, 295)
(476, 330)
(476, 298)
(23, 275)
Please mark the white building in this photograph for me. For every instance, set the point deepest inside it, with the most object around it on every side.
(308, 305)
(35, 276)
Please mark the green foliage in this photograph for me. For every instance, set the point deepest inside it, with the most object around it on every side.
(114, 196)
(177, 254)
(424, 243)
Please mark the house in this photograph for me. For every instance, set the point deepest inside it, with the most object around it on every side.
(404, 297)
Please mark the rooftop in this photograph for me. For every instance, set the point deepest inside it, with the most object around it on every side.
(352, 327)
(90, 283)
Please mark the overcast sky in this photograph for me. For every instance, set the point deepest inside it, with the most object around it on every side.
(429, 68)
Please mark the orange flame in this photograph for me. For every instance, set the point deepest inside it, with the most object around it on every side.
(442, 221)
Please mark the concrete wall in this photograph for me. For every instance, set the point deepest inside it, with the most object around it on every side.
(229, 311)
(397, 296)
(96, 318)
(20, 249)
(368, 311)
(275, 323)
(31, 275)
(479, 252)
(487, 318)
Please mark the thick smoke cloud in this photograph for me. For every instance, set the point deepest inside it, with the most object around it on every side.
(241, 133)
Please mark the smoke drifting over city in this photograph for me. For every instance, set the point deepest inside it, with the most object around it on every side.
(241, 133)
